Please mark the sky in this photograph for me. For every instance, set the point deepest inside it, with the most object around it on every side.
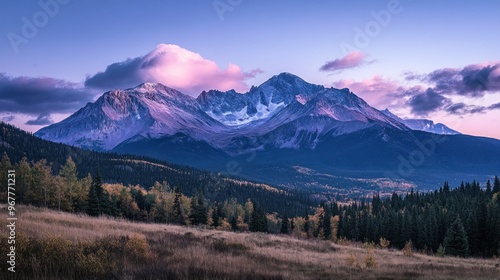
(421, 59)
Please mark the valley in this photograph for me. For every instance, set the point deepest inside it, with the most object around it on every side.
(284, 122)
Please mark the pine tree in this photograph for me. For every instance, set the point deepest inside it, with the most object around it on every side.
(199, 210)
(488, 188)
(496, 185)
(95, 201)
(471, 228)
(455, 241)
(284, 225)
(177, 215)
(327, 225)
(306, 224)
(258, 220)
(215, 216)
(234, 223)
(446, 187)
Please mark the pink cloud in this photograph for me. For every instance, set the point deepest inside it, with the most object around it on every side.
(377, 91)
(175, 67)
(350, 60)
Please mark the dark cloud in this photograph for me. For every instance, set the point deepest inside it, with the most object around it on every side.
(446, 81)
(477, 81)
(426, 102)
(123, 74)
(464, 109)
(37, 96)
(472, 81)
(43, 119)
(494, 106)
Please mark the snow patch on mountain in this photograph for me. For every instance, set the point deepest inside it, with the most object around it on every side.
(422, 124)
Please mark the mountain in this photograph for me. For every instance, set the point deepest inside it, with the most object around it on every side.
(422, 124)
(133, 170)
(146, 111)
(285, 131)
(260, 103)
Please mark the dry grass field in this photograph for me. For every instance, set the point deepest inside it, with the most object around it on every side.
(54, 245)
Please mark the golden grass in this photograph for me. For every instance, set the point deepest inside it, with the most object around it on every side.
(157, 251)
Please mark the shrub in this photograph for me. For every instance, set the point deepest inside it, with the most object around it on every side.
(384, 243)
(351, 260)
(343, 241)
(408, 249)
(441, 251)
(369, 245)
(137, 248)
(370, 260)
(224, 247)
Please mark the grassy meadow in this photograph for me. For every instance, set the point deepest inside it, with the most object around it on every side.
(57, 245)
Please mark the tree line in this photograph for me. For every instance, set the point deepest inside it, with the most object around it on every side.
(161, 203)
(464, 221)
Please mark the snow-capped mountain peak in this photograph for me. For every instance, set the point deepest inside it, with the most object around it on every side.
(257, 105)
(296, 113)
(422, 124)
(149, 110)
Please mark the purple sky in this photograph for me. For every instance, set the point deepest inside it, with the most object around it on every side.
(418, 58)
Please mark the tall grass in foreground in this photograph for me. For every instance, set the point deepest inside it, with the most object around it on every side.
(120, 257)
(53, 245)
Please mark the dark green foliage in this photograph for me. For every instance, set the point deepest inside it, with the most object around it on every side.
(284, 225)
(488, 188)
(496, 185)
(472, 231)
(327, 229)
(136, 170)
(178, 214)
(306, 224)
(96, 204)
(99, 202)
(216, 214)
(425, 219)
(455, 241)
(234, 223)
(199, 210)
(258, 220)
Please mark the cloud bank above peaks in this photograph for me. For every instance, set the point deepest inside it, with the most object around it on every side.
(474, 80)
(175, 67)
(455, 91)
(40, 97)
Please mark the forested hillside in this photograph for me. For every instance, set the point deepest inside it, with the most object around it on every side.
(48, 157)
(464, 221)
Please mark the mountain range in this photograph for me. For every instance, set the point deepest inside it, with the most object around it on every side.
(422, 124)
(285, 131)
